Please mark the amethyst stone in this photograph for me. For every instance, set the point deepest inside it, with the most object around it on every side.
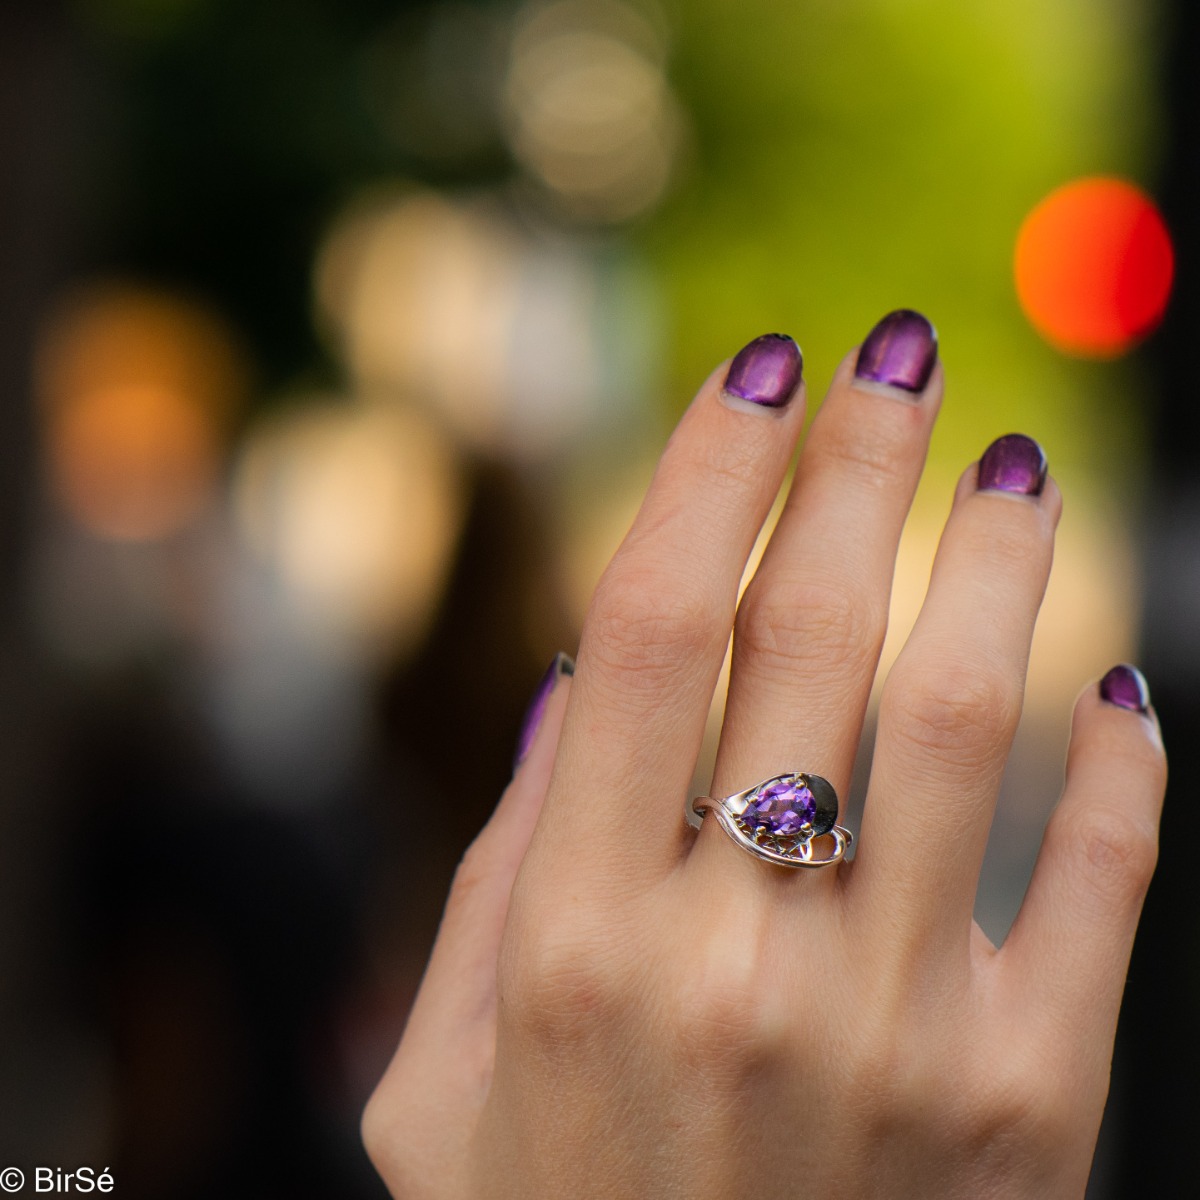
(782, 807)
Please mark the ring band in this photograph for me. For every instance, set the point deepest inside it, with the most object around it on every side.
(777, 820)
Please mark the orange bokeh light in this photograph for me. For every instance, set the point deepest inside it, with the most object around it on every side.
(136, 388)
(133, 462)
(1093, 267)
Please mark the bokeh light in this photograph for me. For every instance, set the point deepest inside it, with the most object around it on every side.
(590, 113)
(136, 389)
(358, 509)
(419, 294)
(521, 344)
(1093, 267)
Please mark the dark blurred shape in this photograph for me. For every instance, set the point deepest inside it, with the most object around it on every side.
(431, 82)
(475, 672)
(39, 185)
(1156, 1102)
(48, 1088)
(225, 133)
(220, 942)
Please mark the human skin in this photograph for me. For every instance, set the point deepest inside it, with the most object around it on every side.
(618, 1006)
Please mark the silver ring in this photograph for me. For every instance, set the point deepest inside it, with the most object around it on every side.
(778, 819)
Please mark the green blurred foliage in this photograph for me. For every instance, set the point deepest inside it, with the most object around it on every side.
(854, 156)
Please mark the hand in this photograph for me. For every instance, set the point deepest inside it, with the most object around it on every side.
(651, 1013)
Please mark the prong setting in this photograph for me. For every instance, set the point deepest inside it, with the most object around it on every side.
(778, 820)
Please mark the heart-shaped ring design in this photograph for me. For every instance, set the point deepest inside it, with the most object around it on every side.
(778, 819)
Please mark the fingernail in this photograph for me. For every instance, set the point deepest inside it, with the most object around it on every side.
(1014, 463)
(766, 372)
(563, 664)
(899, 352)
(1125, 686)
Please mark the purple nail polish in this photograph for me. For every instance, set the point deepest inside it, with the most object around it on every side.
(767, 371)
(1013, 463)
(900, 351)
(562, 665)
(1125, 686)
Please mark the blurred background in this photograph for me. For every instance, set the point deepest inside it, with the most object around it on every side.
(338, 339)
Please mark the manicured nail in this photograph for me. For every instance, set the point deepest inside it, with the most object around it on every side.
(1125, 686)
(900, 351)
(766, 372)
(562, 665)
(1014, 463)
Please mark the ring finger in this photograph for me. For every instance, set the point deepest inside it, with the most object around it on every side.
(811, 623)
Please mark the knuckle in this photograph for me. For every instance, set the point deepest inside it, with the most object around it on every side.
(734, 466)
(884, 1047)
(959, 707)
(874, 452)
(875, 1063)
(714, 1027)
(795, 621)
(724, 1018)
(378, 1129)
(387, 1129)
(1021, 1102)
(1016, 545)
(643, 620)
(1118, 853)
(373, 1130)
(557, 985)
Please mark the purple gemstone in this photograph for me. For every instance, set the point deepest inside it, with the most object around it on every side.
(781, 808)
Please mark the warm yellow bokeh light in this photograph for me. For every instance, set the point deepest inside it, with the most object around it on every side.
(590, 113)
(422, 294)
(448, 303)
(358, 508)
